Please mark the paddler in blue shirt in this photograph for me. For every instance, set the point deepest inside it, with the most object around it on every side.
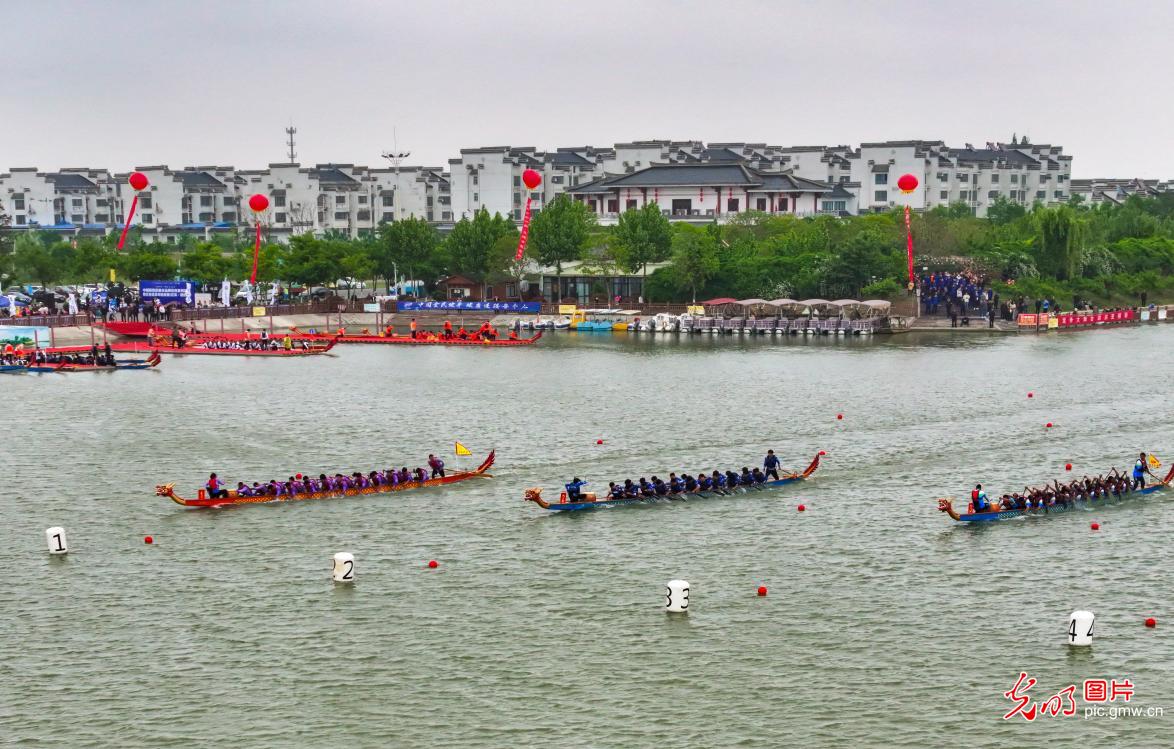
(574, 488)
(1140, 468)
(690, 483)
(676, 486)
(771, 464)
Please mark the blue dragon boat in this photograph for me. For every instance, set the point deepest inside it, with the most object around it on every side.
(591, 502)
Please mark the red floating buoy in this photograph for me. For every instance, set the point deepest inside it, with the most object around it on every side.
(1030, 394)
(1048, 425)
(599, 442)
(1095, 526)
(821, 452)
(1150, 622)
(148, 540)
(762, 592)
(802, 508)
(433, 564)
(1067, 466)
(839, 417)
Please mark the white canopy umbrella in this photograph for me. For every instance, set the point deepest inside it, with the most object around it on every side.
(225, 293)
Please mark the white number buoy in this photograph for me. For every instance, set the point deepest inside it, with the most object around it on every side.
(677, 597)
(344, 567)
(55, 538)
(1080, 628)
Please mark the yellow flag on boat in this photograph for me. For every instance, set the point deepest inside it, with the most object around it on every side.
(462, 450)
(1154, 462)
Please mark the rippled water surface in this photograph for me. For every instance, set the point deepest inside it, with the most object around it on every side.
(886, 623)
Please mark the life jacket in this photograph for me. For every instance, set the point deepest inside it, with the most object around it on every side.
(974, 495)
(1138, 468)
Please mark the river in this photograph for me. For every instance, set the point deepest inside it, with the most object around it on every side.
(886, 624)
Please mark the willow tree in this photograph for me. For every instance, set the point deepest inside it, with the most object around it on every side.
(1061, 235)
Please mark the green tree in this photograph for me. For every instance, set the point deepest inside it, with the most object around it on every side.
(407, 247)
(313, 261)
(866, 256)
(642, 236)
(502, 263)
(558, 234)
(147, 260)
(34, 260)
(91, 260)
(1004, 211)
(694, 257)
(469, 245)
(205, 263)
(1061, 234)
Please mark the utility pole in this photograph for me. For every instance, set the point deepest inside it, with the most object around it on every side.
(395, 156)
(290, 131)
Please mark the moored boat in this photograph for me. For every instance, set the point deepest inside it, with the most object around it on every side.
(64, 366)
(429, 340)
(201, 500)
(1102, 499)
(590, 501)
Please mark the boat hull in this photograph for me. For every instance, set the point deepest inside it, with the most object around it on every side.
(233, 499)
(990, 517)
(680, 496)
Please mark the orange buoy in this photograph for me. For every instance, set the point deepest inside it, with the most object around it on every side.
(432, 564)
(762, 591)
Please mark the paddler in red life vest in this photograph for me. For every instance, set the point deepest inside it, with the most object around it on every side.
(513, 334)
(448, 330)
(214, 489)
(485, 332)
(462, 334)
(437, 466)
(388, 332)
(412, 326)
(978, 499)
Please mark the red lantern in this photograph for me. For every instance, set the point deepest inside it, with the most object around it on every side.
(138, 181)
(531, 179)
(258, 203)
(907, 183)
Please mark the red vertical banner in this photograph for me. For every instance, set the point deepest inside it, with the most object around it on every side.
(134, 203)
(909, 242)
(525, 233)
(256, 255)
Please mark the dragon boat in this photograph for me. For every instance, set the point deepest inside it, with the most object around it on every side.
(202, 500)
(946, 504)
(13, 368)
(149, 363)
(198, 348)
(428, 340)
(590, 501)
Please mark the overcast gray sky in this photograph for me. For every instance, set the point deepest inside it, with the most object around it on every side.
(119, 83)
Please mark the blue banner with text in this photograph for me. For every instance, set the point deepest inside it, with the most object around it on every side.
(529, 307)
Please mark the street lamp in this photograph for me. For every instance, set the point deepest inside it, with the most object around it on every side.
(395, 157)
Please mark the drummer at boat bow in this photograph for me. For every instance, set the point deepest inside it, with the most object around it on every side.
(770, 464)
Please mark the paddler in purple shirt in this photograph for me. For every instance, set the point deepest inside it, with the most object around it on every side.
(437, 465)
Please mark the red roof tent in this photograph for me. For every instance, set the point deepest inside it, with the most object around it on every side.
(720, 300)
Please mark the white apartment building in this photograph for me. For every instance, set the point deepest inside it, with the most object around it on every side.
(353, 199)
(1116, 190)
(1020, 172)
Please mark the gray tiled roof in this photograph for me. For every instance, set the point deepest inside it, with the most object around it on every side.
(668, 175)
(789, 183)
(331, 175)
(567, 158)
(199, 179)
(985, 155)
(68, 181)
